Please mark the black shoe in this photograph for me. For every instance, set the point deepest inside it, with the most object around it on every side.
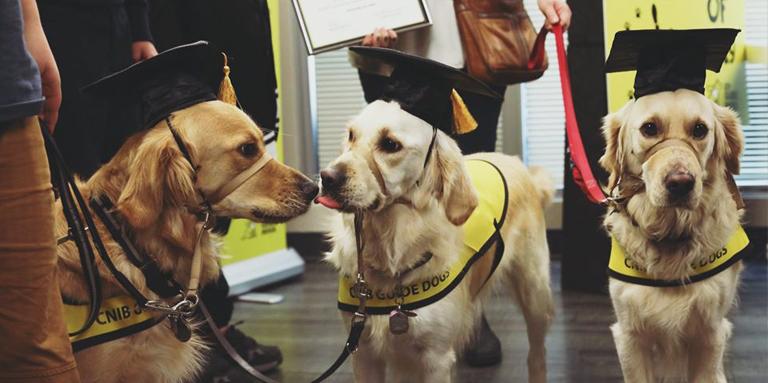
(262, 357)
(485, 349)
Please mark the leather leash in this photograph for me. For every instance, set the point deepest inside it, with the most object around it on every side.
(363, 292)
(581, 171)
(230, 350)
(71, 198)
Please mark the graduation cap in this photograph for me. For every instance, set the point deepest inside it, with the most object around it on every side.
(427, 88)
(173, 80)
(667, 60)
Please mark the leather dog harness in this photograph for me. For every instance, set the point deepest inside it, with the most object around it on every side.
(94, 331)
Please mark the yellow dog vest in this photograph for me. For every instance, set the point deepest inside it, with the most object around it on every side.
(622, 268)
(481, 231)
(118, 317)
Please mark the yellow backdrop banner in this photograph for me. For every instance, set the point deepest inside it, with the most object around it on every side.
(245, 239)
(726, 87)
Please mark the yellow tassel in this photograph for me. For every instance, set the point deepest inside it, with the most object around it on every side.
(226, 89)
(463, 122)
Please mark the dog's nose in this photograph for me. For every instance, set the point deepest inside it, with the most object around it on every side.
(679, 183)
(310, 189)
(332, 178)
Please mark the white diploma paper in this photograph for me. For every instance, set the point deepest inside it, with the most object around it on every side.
(330, 24)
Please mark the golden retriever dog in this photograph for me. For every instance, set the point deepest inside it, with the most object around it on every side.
(671, 153)
(412, 208)
(154, 190)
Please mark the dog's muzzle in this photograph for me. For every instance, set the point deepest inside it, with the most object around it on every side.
(679, 181)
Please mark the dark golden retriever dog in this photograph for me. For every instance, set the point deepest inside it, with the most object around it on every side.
(154, 189)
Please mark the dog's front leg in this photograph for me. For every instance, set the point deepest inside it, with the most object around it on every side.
(635, 355)
(705, 354)
(368, 366)
(438, 365)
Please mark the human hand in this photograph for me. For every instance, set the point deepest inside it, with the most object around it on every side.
(142, 50)
(556, 12)
(38, 48)
(381, 37)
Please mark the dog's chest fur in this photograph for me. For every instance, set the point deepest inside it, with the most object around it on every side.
(682, 311)
(397, 240)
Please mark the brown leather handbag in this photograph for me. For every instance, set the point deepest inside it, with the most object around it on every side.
(498, 39)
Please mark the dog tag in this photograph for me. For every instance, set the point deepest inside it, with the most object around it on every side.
(398, 321)
(180, 328)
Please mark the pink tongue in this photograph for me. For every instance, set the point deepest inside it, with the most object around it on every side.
(328, 202)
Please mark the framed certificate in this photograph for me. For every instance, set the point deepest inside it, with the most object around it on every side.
(332, 24)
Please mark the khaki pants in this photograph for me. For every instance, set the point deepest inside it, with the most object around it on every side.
(34, 346)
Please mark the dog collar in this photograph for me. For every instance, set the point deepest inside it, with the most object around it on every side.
(481, 232)
(118, 317)
(622, 268)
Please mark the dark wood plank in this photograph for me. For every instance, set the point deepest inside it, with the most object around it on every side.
(307, 328)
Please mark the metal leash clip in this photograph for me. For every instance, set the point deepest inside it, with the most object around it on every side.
(185, 307)
(360, 289)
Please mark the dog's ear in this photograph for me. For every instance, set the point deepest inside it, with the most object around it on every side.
(613, 156)
(729, 141)
(447, 180)
(158, 174)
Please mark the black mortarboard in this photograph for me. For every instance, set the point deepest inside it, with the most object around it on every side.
(667, 60)
(424, 88)
(153, 89)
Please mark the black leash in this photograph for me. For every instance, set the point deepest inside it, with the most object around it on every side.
(65, 185)
(157, 281)
(363, 292)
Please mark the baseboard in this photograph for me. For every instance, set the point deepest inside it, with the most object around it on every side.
(263, 270)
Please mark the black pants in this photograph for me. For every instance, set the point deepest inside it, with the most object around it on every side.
(217, 301)
(88, 42)
(484, 109)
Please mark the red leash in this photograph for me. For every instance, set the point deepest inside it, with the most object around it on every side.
(582, 173)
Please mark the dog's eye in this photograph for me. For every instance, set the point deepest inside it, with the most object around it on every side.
(351, 136)
(649, 129)
(700, 131)
(389, 145)
(248, 150)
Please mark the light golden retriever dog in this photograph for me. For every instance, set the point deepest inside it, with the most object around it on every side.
(411, 209)
(153, 188)
(682, 213)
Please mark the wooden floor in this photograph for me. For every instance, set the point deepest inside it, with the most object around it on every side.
(307, 328)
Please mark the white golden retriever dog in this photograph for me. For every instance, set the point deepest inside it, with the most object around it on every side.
(412, 208)
(672, 152)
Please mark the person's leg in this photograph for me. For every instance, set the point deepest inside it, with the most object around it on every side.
(486, 112)
(216, 298)
(35, 346)
(485, 349)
